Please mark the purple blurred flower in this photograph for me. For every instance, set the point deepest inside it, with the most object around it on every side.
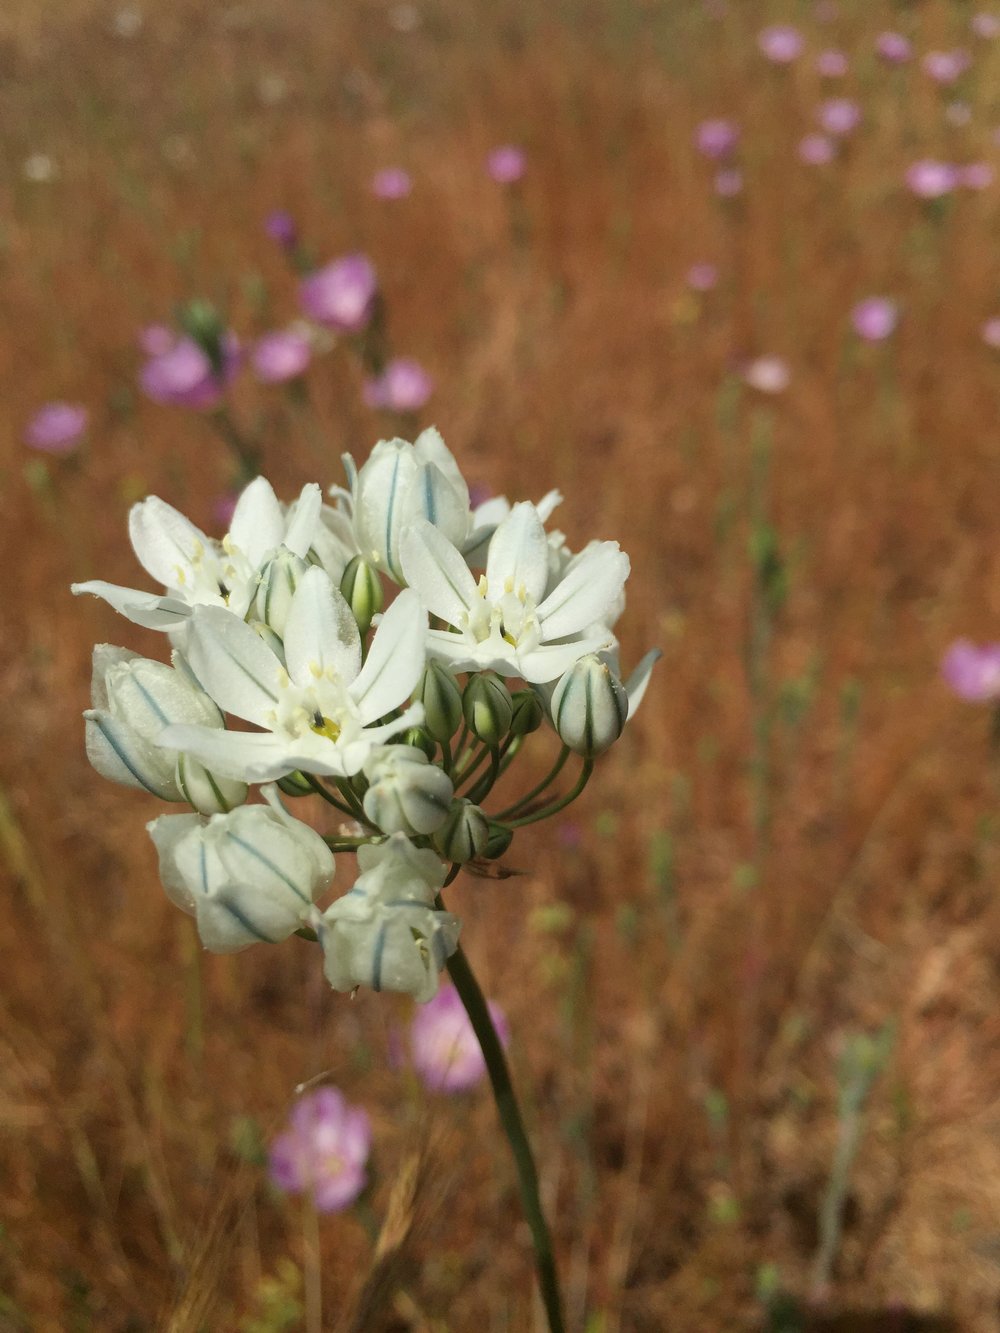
(155, 339)
(717, 138)
(893, 48)
(183, 375)
(506, 164)
(341, 295)
(839, 116)
(945, 67)
(930, 179)
(391, 183)
(767, 374)
(403, 386)
(223, 508)
(990, 332)
(817, 149)
(57, 428)
(985, 25)
(282, 229)
(728, 182)
(445, 1051)
(831, 64)
(875, 318)
(323, 1151)
(780, 43)
(281, 355)
(976, 176)
(702, 277)
(973, 672)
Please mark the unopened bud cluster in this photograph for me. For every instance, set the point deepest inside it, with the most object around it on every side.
(388, 650)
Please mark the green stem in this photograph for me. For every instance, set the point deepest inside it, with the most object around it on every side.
(247, 455)
(556, 806)
(329, 797)
(484, 786)
(549, 778)
(472, 998)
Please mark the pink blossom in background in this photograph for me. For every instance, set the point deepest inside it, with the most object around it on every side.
(281, 355)
(342, 294)
(183, 375)
(57, 428)
(403, 386)
(767, 374)
(506, 164)
(839, 116)
(893, 48)
(443, 1045)
(976, 176)
(831, 64)
(223, 508)
(780, 43)
(702, 277)
(875, 318)
(985, 25)
(973, 672)
(930, 179)
(282, 229)
(391, 183)
(989, 331)
(155, 339)
(817, 149)
(323, 1151)
(717, 138)
(728, 182)
(945, 67)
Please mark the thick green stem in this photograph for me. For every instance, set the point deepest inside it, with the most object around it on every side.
(476, 1007)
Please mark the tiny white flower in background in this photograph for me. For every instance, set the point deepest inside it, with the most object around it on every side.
(40, 169)
(248, 877)
(195, 569)
(407, 793)
(385, 932)
(126, 22)
(319, 707)
(134, 699)
(512, 621)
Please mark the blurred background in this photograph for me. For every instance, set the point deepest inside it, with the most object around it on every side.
(733, 288)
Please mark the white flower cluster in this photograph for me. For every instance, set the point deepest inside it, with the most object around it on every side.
(280, 626)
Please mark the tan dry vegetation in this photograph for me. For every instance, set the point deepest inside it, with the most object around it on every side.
(129, 1060)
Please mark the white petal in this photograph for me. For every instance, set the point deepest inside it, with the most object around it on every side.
(635, 686)
(461, 654)
(257, 525)
(382, 483)
(105, 656)
(395, 660)
(167, 832)
(583, 597)
(437, 571)
(552, 660)
(519, 554)
(547, 504)
(433, 496)
(321, 634)
(149, 609)
(233, 664)
(303, 519)
(249, 756)
(120, 754)
(165, 542)
(430, 447)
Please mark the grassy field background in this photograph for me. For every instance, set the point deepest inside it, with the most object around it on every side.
(795, 844)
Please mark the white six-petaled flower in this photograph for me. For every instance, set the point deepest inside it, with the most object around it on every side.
(319, 708)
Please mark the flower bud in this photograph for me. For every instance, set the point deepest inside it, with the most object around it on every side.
(464, 834)
(589, 706)
(276, 584)
(209, 794)
(498, 842)
(134, 700)
(295, 784)
(385, 933)
(272, 639)
(362, 590)
(406, 793)
(528, 714)
(419, 739)
(487, 706)
(441, 696)
(247, 877)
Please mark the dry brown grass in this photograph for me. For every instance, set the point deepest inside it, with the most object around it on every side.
(128, 1057)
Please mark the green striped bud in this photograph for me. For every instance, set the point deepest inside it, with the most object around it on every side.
(276, 585)
(465, 833)
(362, 589)
(528, 713)
(589, 706)
(441, 696)
(488, 708)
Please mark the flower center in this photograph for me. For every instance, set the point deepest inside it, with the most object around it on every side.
(510, 616)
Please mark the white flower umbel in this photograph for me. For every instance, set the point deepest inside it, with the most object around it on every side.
(195, 569)
(407, 793)
(134, 699)
(320, 708)
(511, 621)
(248, 877)
(385, 932)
